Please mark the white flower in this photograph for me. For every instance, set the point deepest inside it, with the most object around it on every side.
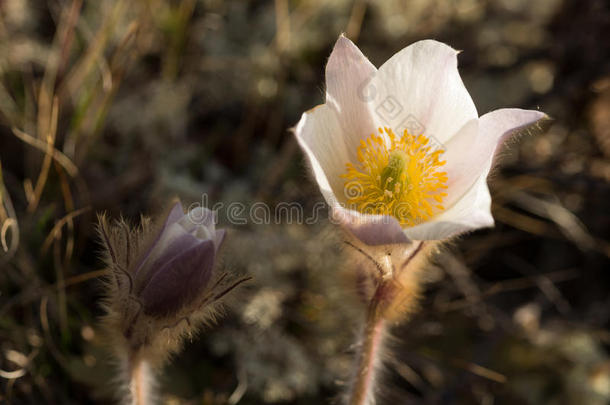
(400, 152)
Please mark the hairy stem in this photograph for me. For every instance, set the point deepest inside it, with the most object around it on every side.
(391, 294)
(369, 358)
(141, 381)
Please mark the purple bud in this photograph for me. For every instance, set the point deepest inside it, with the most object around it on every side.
(179, 263)
(175, 214)
(171, 278)
(179, 279)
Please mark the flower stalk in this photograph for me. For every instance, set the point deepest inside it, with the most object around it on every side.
(396, 276)
(141, 381)
(369, 357)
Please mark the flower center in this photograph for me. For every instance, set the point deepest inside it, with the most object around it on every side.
(398, 177)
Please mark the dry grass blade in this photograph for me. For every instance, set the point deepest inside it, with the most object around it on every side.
(355, 20)
(469, 366)
(94, 54)
(526, 223)
(69, 206)
(544, 284)
(479, 370)
(57, 58)
(48, 158)
(568, 223)
(240, 390)
(8, 221)
(44, 322)
(19, 359)
(56, 231)
(62, 301)
(67, 30)
(7, 105)
(95, 105)
(57, 155)
(121, 60)
(505, 188)
(282, 23)
(515, 284)
(410, 375)
(12, 375)
(74, 280)
(182, 15)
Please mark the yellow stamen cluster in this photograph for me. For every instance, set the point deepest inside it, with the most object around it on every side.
(396, 176)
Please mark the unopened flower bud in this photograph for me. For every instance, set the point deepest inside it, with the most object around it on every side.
(179, 264)
(163, 279)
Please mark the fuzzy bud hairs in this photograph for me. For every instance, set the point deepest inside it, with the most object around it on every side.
(162, 286)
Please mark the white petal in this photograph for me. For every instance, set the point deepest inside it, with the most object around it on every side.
(497, 127)
(472, 211)
(319, 134)
(462, 170)
(470, 152)
(348, 73)
(420, 89)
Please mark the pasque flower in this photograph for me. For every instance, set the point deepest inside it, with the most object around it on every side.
(163, 278)
(163, 283)
(402, 158)
(399, 152)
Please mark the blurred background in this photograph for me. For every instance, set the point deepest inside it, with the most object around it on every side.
(119, 105)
